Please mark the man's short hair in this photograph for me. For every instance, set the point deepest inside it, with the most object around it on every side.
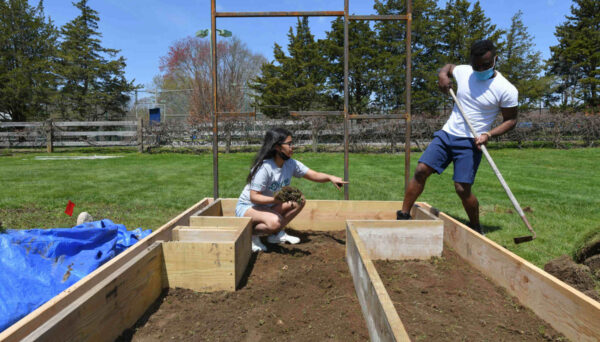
(481, 47)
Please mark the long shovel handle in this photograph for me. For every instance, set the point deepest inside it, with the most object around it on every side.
(494, 167)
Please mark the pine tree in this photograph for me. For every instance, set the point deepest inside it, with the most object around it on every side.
(27, 56)
(425, 48)
(93, 86)
(521, 65)
(294, 82)
(361, 65)
(461, 27)
(576, 58)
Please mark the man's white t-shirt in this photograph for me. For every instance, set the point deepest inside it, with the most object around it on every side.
(481, 101)
(270, 178)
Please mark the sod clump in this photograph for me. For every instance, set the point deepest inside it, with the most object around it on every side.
(289, 193)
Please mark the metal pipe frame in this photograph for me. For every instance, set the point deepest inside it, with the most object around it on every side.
(347, 116)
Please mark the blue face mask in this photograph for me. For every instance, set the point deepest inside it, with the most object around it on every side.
(486, 74)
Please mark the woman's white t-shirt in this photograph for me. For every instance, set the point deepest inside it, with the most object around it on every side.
(270, 178)
(481, 101)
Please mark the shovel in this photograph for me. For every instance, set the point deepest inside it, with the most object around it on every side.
(499, 175)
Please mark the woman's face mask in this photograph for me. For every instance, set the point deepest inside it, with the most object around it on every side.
(486, 74)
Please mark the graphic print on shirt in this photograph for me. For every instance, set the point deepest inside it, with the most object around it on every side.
(276, 186)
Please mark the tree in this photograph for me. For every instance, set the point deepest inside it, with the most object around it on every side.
(461, 27)
(576, 58)
(27, 56)
(426, 54)
(93, 87)
(521, 65)
(188, 65)
(362, 70)
(296, 82)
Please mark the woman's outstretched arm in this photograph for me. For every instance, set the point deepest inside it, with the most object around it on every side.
(321, 177)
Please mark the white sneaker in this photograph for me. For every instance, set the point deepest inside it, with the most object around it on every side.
(282, 237)
(257, 245)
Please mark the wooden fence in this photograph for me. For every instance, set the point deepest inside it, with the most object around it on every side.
(52, 134)
(319, 134)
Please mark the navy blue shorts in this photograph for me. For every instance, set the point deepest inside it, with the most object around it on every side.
(446, 148)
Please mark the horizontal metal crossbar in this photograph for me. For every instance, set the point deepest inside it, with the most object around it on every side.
(350, 116)
(378, 116)
(317, 113)
(281, 14)
(236, 114)
(380, 17)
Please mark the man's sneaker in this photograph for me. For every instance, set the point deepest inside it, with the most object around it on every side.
(282, 237)
(477, 229)
(257, 245)
(402, 216)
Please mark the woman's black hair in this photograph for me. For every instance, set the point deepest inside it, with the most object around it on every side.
(273, 138)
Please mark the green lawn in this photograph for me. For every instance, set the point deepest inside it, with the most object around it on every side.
(560, 187)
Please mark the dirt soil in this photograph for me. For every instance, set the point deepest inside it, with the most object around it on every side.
(445, 299)
(577, 275)
(293, 293)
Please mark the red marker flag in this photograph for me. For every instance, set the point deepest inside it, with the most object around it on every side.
(69, 210)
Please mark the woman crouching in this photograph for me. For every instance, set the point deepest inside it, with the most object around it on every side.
(273, 169)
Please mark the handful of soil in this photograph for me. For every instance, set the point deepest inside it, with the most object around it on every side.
(289, 193)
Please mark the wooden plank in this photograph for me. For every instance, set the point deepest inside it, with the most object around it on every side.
(23, 144)
(27, 324)
(228, 206)
(419, 213)
(381, 317)
(214, 209)
(205, 235)
(218, 221)
(114, 304)
(96, 134)
(568, 311)
(22, 134)
(326, 215)
(21, 124)
(200, 266)
(94, 123)
(401, 240)
(243, 252)
(94, 143)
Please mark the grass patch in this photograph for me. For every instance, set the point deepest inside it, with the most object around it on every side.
(560, 187)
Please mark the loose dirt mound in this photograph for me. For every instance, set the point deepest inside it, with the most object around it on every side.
(444, 299)
(583, 273)
(574, 274)
(294, 293)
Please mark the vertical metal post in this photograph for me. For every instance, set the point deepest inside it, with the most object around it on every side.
(408, 93)
(215, 140)
(346, 99)
(140, 134)
(49, 136)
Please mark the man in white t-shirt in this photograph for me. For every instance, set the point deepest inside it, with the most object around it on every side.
(483, 93)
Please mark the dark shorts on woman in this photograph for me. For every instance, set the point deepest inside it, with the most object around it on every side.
(446, 148)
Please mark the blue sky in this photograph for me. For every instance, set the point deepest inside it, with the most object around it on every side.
(144, 29)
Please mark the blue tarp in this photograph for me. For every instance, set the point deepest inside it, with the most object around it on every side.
(38, 264)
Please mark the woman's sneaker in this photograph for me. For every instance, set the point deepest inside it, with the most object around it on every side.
(257, 245)
(282, 237)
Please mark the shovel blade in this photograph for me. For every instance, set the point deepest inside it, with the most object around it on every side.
(522, 239)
